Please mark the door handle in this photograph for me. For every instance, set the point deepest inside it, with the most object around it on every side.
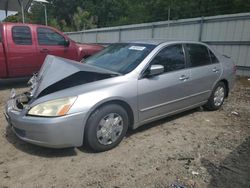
(183, 77)
(215, 69)
(44, 50)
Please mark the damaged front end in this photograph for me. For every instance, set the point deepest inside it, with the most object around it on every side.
(37, 117)
(58, 74)
(20, 101)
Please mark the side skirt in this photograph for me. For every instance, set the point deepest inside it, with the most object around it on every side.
(168, 114)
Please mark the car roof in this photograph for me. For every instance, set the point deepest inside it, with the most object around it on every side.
(160, 41)
(25, 24)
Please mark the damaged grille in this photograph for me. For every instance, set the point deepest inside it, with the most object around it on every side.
(22, 101)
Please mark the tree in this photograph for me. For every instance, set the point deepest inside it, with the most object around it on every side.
(17, 18)
(36, 13)
(82, 20)
(54, 23)
(70, 15)
(12, 18)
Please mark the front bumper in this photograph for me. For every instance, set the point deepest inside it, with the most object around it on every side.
(55, 132)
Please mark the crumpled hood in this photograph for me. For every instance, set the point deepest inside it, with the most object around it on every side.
(58, 73)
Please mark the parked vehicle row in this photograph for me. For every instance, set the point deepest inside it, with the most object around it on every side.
(23, 48)
(124, 86)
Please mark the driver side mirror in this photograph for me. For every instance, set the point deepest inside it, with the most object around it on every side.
(66, 43)
(155, 70)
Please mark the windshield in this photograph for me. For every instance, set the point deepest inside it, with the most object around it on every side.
(121, 58)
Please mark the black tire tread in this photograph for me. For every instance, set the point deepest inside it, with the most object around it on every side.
(210, 103)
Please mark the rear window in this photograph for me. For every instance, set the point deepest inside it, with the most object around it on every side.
(198, 55)
(21, 35)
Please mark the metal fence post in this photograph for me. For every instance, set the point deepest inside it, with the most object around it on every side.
(96, 37)
(22, 9)
(152, 31)
(120, 34)
(82, 36)
(201, 28)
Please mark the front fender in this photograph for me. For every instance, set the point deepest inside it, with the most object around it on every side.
(86, 50)
(105, 101)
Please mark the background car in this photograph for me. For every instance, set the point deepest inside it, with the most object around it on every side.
(23, 48)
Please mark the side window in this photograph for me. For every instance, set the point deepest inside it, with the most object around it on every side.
(171, 58)
(198, 55)
(47, 36)
(21, 35)
(213, 57)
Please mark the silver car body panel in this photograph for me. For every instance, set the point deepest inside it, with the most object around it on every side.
(148, 98)
(63, 69)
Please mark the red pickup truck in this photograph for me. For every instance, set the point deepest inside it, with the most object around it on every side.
(23, 48)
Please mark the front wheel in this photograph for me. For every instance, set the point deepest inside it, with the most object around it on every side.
(217, 97)
(106, 127)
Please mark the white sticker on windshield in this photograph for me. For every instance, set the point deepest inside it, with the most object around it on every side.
(140, 48)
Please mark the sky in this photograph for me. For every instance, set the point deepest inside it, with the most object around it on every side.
(2, 14)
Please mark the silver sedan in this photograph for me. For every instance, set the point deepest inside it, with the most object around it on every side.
(124, 86)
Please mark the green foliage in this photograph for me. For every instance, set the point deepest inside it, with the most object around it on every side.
(64, 26)
(82, 20)
(12, 18)
(54, 23)
(17, 18)
(71, 15)
(36, 13)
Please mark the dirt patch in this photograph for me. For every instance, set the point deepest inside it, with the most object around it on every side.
(194, 149)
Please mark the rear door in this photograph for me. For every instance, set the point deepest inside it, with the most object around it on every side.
(205, 70)
(52, 42)
(3, 72)
(168, 92)
(21, 51)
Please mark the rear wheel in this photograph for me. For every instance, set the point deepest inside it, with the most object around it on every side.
(217, 97)
(106, 127)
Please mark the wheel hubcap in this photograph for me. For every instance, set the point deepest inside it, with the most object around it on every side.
(219, 95)
(109, 129)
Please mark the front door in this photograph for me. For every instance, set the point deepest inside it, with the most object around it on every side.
(51, 42)
(168, 92)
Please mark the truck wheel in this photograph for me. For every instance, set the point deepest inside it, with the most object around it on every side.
(106, 127)
(217, 97)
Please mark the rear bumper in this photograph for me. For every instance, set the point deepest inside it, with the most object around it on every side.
(56, 132)
(231, 82)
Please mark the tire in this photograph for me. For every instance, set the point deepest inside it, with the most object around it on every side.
(103, 129)
(213, 104)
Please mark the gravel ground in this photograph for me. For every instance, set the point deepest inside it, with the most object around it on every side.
(193, 149)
